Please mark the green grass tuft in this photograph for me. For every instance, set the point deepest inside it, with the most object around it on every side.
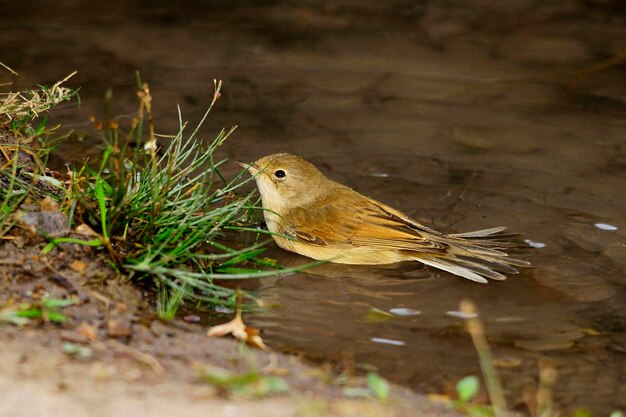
(161, 211)
(160, 208)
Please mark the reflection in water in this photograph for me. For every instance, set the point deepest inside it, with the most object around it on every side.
(464, 115)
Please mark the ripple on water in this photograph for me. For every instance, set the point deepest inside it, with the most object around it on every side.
(589, 238)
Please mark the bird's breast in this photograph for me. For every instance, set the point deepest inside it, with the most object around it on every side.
(273, 221)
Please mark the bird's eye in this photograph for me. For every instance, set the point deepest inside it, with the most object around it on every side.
(279, 173)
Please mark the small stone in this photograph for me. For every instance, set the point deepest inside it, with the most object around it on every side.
(118, 328)
(73, 349)
(87, 331)
(44, 222)
(192, 318)
(79, 266)
(73, 337)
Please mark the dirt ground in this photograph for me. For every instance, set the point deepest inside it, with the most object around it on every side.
(130, 363)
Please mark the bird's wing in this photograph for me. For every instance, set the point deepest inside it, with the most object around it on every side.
(353, 219)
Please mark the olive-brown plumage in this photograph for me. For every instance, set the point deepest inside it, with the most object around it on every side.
(316, 217)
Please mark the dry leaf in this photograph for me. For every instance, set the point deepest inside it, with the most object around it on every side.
(254, 338)
(238, 329)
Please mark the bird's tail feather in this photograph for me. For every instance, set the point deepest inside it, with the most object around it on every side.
(478, 255)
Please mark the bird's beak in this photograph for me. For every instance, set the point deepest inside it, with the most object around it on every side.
(252, 169)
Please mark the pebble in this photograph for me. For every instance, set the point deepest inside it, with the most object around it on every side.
(118, 328)
(48, 222)
(192, 318)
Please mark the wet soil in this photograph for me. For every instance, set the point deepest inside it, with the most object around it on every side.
(465, 115)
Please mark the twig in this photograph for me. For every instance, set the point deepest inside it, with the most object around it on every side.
(104, 300)
(8, 68)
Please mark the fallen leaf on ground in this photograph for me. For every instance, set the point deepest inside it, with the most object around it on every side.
(239, 330)
(254, 337)
(236, 327)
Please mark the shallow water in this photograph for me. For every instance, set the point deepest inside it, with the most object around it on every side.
(465, 116)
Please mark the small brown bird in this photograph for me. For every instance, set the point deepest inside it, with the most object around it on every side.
(316, 217)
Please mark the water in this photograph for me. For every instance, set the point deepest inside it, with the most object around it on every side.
(465, 116)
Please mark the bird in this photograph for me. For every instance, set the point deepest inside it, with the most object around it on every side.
(312, 215)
